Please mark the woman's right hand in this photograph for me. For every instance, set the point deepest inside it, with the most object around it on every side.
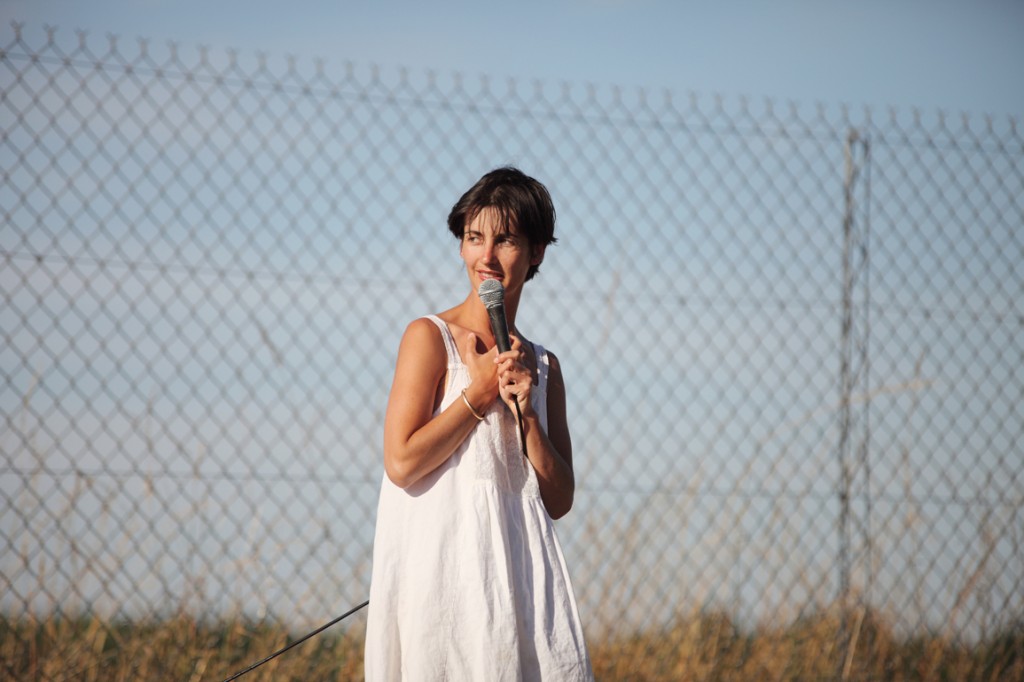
(483, 373)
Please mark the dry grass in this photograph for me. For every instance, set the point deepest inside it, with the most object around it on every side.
(709, 647)
(712, 647)
(181, 648)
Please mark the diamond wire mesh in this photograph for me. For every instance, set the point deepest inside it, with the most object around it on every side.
(209, 259)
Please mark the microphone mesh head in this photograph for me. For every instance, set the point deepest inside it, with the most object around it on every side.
(491, 293)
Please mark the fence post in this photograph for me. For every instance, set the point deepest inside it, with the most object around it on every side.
(854, 398)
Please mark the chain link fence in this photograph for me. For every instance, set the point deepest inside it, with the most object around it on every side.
(791, 337)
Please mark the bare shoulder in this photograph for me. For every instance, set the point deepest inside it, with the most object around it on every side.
(555, 379)
(422, 340)
(422, 328)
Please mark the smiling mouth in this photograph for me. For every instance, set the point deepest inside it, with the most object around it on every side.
(488, 275)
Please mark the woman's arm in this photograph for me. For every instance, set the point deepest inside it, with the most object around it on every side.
(415, 441)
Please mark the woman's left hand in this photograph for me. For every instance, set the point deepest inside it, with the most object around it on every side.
(515, 381)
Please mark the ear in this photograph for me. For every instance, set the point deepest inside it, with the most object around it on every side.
(538, 254)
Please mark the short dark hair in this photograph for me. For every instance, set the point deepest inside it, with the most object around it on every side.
(519, 200)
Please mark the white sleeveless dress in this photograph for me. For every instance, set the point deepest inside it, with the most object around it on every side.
(469, 582)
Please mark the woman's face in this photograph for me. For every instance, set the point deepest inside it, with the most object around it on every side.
(491, 253)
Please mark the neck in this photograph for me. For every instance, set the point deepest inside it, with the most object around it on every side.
(477, 318)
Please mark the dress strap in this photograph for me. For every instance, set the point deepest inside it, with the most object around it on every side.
(543, 367)
(449, 341)
(454, 359)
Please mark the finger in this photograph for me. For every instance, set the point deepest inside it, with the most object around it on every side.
(513, 374)
(517, 358)
(469, 345)
(515, 381)
(517, 345)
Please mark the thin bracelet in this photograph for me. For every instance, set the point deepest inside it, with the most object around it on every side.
(479, 417)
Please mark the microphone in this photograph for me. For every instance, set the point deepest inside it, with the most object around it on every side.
(492, 294)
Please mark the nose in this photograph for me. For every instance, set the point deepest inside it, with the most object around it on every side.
(489, 251)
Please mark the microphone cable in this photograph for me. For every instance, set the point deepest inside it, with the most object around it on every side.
(297, 642)
(522, 429)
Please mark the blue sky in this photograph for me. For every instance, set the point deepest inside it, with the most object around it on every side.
(954, 55)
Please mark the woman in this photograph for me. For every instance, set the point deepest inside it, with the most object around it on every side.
(469, 581)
